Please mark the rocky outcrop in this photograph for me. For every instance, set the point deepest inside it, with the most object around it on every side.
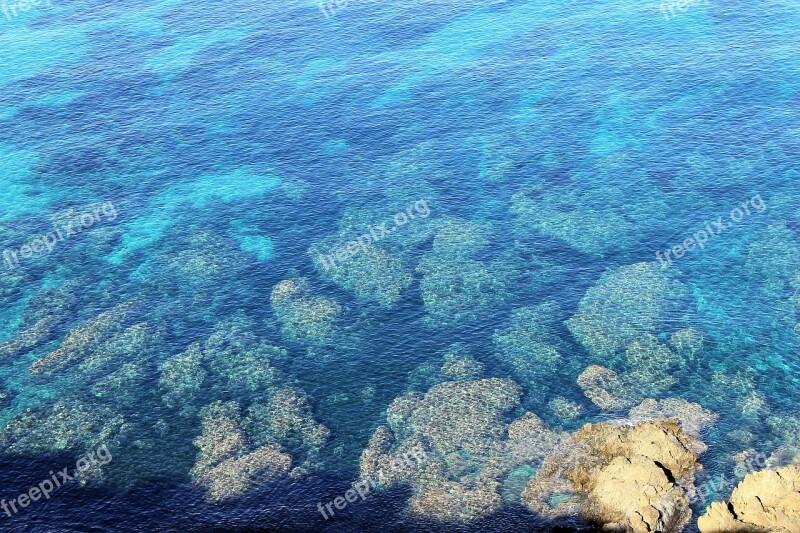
(635, 478)
(693, 418)
(765, 501)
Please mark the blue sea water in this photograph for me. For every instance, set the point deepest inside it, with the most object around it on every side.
(238, 140)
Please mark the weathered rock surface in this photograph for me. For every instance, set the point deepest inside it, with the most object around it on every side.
(765, 501)
(622, 477)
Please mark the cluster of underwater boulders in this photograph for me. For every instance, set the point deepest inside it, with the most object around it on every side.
(103, 368)
(476, 449)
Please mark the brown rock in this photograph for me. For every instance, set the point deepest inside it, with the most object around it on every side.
(630, 478)
(765, 501)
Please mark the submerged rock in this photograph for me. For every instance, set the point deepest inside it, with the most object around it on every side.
(66, 425)
(456, 287)
(460, 365)
(304, 318)
(688, 342)
(765, 501)
(182, 376)
(625, 303)
(372, 274)
(565, 409)
(605, 388)
(30, 338)
(461, 444)
(226, 467)
(530, 345)
(84, 339)
(693, 418)
(650, 365)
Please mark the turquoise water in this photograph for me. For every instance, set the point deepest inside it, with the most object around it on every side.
(552, 145)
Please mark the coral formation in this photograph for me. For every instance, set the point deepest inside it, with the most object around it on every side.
(765, 501)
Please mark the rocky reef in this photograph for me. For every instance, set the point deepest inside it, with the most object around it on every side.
(636, 474)
(84, 340)
(530, 345)
(765, 501)
(456, 287)
(605, 388)
(226, 466)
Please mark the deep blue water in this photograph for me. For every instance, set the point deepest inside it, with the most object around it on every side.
(237, 140)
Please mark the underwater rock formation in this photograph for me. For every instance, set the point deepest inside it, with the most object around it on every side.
(304, 318)
(688, 342)
(31, 337)
(84, 339)
(605, 388)
(182, 376)
(765, 501)
(565, 409)
(455, 286)
(584, 221)
(286, 420)
(634, 478)
(460, 366)
(68, 424)
(466, 447)
(650, 366)
(226, 467)
(530, 345)
(372, 274)
(625, 303)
